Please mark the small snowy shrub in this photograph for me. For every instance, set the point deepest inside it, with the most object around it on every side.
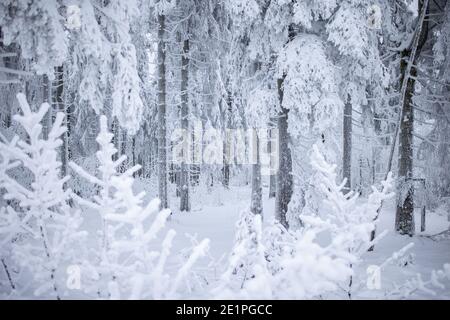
(247, 259)
(343, 216)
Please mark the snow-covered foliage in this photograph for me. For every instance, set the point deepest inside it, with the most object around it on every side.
(259, 117)
(36, 27)
(110, 57)
(357, 43)
(100, 49)
(310, 86)
(245, 9)
(93, 51)
(162, 6)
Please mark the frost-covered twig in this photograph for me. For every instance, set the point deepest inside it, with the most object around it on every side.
(416, 284)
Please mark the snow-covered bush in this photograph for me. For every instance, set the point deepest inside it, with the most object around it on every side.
(125, 263)
(274, 263)
(343, 217)
(39, 235)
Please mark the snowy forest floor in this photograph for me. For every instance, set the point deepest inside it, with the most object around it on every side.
(215, 214)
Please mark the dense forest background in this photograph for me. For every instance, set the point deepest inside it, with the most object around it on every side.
(197, 101)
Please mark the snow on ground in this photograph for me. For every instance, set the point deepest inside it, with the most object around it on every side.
(214, 216)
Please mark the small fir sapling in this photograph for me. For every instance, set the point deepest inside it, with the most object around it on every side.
(277, 263)
(127, 265)
(42, 231)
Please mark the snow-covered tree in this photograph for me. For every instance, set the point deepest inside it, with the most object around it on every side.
(160, 9)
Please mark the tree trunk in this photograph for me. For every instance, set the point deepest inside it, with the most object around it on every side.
(404, 218)
(177, 177)
(123, 149)
(347, 146)
(46, 97)
(116, 138)
(162, 148)
(134, 158)
(256, 204)
(185, 204)
(226, 163)
(227, 143)
(273, 176)
(284, 177)
(61, 107)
